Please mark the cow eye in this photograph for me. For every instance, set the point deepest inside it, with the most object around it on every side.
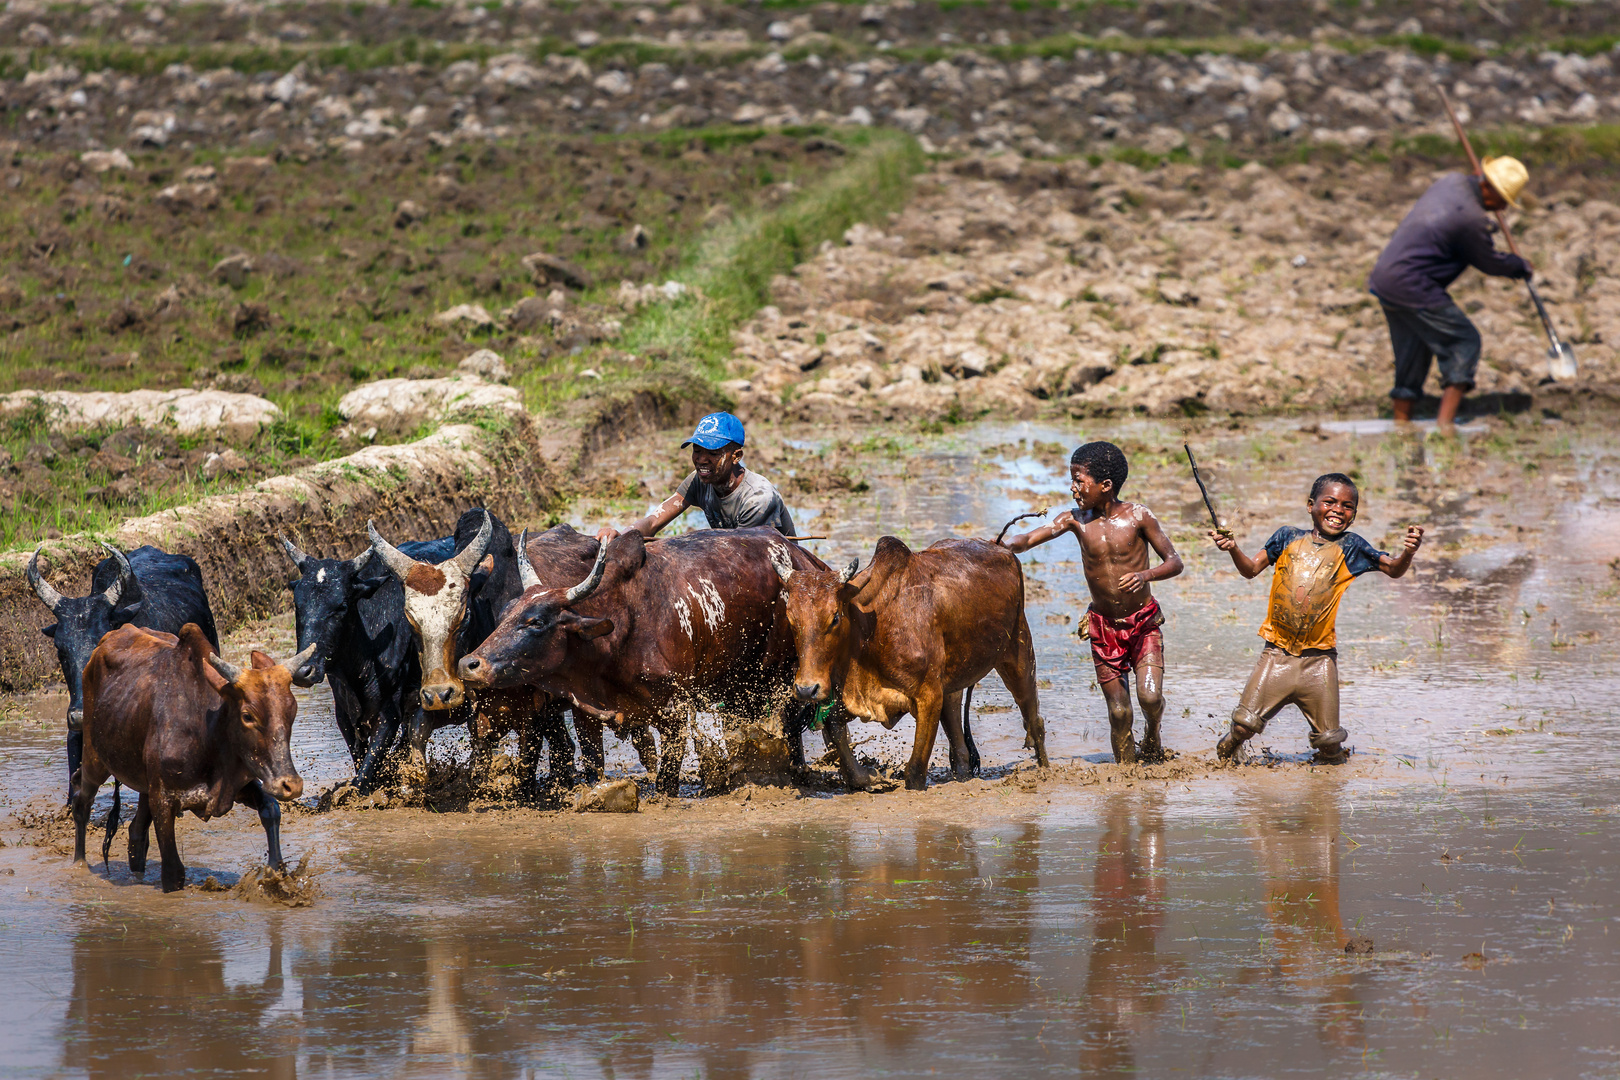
(836, 616)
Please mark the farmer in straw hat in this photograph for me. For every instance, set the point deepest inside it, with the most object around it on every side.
(1448, 231)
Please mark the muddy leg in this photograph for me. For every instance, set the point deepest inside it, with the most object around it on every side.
(836, 732)
(112, 825)
(91, 776)
(950, 718)
(646, 749)
(930, 702)
(1150, 696)
(75, 756)
(140, 836)
(967, 732)
(593, 757)
(531, 743)
(796, 716)
(1118, 696)
(174, 871)
(269, 816)
(672, 743)
(1018, 672)
(554, 726)
(366, 775)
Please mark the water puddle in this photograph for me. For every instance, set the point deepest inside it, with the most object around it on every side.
(1096, 920)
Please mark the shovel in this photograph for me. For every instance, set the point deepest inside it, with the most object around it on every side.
(1561, 364)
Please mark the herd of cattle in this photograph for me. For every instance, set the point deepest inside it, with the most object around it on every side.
(476, 630)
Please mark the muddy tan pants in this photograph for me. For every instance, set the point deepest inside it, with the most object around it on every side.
(1310, 681)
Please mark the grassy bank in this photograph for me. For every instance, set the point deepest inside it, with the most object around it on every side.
(347, 292)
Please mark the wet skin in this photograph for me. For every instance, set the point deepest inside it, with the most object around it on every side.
(1332, 513)
(720, 469)
(1115, 538)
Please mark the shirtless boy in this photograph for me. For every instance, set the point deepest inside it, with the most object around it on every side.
(1123, 619)
(1300, 662)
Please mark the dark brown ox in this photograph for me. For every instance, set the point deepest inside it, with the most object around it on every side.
(909, 634)
(171, 720)
(653, 626)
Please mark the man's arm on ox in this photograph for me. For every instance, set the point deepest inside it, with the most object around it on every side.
(649, 526)
(1169, 560)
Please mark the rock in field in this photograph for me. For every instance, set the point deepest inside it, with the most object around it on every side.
(237, 417)
(398, 406)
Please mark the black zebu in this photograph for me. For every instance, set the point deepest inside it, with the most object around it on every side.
(148, 588)
(353, 612)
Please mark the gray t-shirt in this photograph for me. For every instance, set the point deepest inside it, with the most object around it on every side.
(753, 503)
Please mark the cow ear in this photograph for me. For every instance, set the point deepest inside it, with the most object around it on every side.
(49, 631)
(848, 592)
(365, 588)
(127, 612)
(262, 661)
(589, 628)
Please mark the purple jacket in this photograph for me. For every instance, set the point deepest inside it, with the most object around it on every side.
(1448, 231)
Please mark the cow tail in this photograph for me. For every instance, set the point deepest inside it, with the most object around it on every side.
(967, 730)
(112, 823)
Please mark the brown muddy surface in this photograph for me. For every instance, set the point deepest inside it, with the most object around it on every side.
(1086, 918)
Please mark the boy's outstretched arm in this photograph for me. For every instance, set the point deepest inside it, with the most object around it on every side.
(1170, 563)
(1246, 566)
(1061, 524)
(1396, 565)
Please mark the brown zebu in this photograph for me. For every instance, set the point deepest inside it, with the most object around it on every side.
(171, 720)
(909, 634)
(654, 624)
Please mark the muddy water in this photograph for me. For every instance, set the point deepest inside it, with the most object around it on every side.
(1184, 919)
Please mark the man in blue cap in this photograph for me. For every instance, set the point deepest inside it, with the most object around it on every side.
(729, 495)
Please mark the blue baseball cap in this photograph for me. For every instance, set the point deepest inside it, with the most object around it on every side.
(714, 431)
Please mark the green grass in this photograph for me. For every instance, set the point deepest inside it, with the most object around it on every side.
(733, 268)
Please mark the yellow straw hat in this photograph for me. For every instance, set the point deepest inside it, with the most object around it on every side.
(1507, 175)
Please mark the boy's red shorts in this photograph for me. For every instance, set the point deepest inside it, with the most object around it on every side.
(1119, 646)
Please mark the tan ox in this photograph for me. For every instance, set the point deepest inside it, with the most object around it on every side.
(910, 634)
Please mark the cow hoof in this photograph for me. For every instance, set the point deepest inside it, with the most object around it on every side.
(137, 869)
(916, 783)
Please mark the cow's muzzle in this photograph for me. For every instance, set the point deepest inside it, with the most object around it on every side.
(285, 788)
(476, 671)
(309, 673)
(810, 692)
(442, 696)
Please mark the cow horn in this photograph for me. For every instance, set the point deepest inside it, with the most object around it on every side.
(358, 563)
(783, 564)
(592, 580)
(47, 595)
(126, 577)
(849, 571)
(525, 567)
(396, 560)
(300, 659)
(229, 672)
(298, 557)
(474, 553)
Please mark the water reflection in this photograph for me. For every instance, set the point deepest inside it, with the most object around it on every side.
(1123, 991)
